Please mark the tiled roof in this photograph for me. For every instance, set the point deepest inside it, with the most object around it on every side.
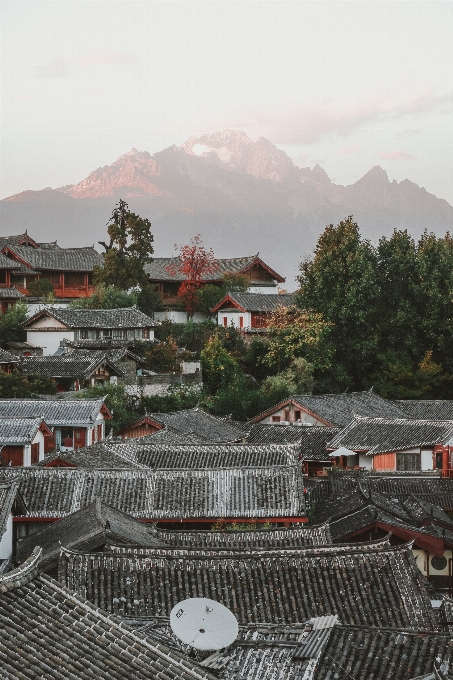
(200, 423)
(213, 456)
(157, 269)
(126, 317)
(168, 435)
(14, 240)
(371, 654)
(259, 302)
(7, 357)
(50, 632)
(339, 409)
(427, 409)
(66, 367)
(99, 456)
(55, 412)
(7, 263)
(301, 536)
(166, 494)
(379, 435)
(312, 440)
(446, 614)
(11, 294)
(370, 584)
(422, 511)
(88, 529)
(424, 485)
(18, 430)
(115, 354)
(63, 259)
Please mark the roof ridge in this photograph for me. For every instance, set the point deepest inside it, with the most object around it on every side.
(23, 574)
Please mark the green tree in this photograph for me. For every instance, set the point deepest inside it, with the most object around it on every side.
(17, 386)
(41, 288)
(106, 297)
(340, 283)
(123, 407)
(149, 300)
(129, 249)
(219, 368)
(11, 325)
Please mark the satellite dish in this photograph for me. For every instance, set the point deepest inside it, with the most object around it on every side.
(204, 624)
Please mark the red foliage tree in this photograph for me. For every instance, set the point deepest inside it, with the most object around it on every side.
(196, 263)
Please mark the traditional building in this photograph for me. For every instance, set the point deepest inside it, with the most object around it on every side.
(401, 445)
(69, 270)
(250, 312)
(74, 423)
(164, 272)
(51, 327)
(49, 631)
(72, 374)
(22, 440)
(329, 410)
(371, 584)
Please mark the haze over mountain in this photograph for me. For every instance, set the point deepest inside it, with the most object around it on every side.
(241, 196)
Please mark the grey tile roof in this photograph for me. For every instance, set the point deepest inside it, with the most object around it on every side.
(379, 435)
(63, 259)
(422, 511)
(301, 536)
(65, 366)
(18, 430)
(339, 409)
(168, 435)
(157, 269)
(50, 632)
(126, 317)
(312, 440)
(99, 456)
(11, 294)
(55, 412)
(200, 423)
(446, 614)
(371, 654)
(87, 529)
(166, 494)
(427, 486)
(261, 302)
(7, 357)
(425, 409)
(7, 263)
(177, 457)
(115, 354)
(368, 584)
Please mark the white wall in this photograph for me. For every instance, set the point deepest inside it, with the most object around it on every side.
(264, 289)
(34, 307)
(191, 366)
(427, 460)
(6, 541)
(233, 318)
(178, 316)
(365, 461)
(49, 340)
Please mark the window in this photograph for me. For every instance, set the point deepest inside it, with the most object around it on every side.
(145, 333)
(225, 321)
(241, 322)
(84, 334)
(438, 563)
(107, 333)
(120, 333)
(439, 457)
(275, 419)
(408, 461)
(67, 438)
(74, 280)
(296, 415)
(53, 277)
(2, 275)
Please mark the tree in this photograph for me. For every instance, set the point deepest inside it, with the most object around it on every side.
(219, 368)
(297, 333)
(41, 288)
(11, 325)
(341, 283)
(149, 299)
(209, 294)
(122, 406)
(195, 263)
(164, 357)
(129, 249)
(106, 297)
(15, 385)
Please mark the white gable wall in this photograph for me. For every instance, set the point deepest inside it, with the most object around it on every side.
(49, 340)
(6, 541)
(233, 318)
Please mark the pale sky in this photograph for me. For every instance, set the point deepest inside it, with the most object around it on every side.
(347, 83)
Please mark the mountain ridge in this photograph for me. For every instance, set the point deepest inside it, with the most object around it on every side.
(240, 195)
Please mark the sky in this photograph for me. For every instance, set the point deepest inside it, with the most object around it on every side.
(348, 84)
